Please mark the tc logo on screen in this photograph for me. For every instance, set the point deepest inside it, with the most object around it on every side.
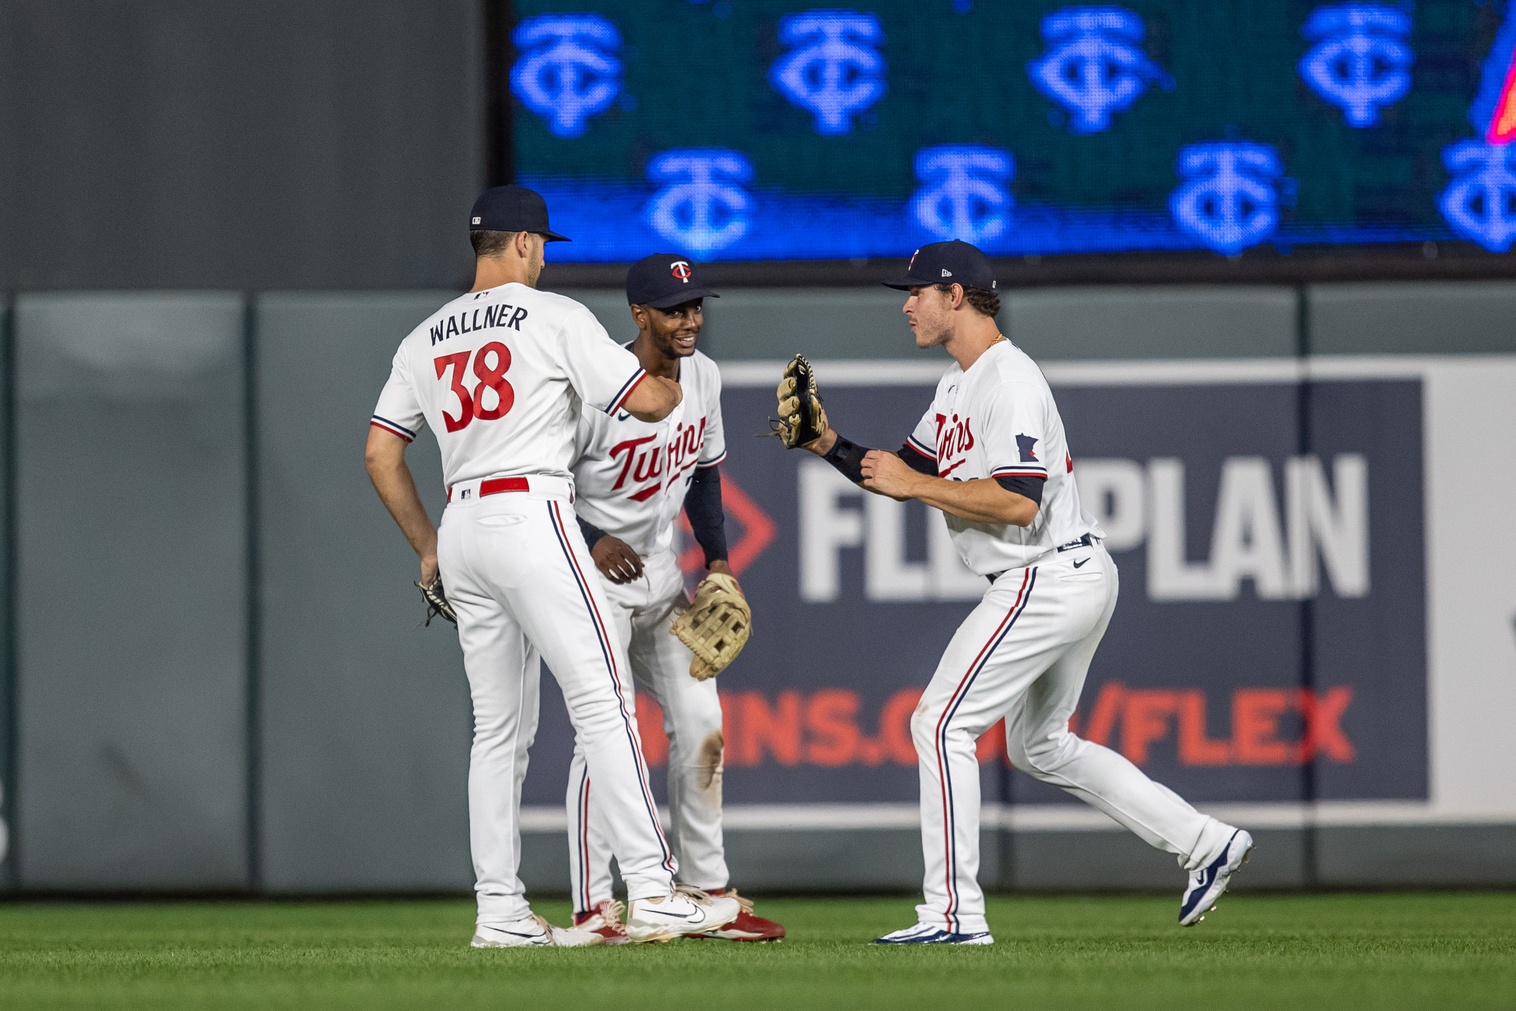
(964, 194)
(1229, 202)
(568, 70)
(1093, 67)
(1360, 60)
(1480, 202)
(702, 206)
(834, 68)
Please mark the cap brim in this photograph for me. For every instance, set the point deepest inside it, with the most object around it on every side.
(680, 297)
(906, 283)
(554, 237)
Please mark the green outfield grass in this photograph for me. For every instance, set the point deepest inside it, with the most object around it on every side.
(1315, 951)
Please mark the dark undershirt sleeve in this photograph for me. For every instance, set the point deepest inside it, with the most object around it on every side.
(591, 532)
(702, 504)
(917, 460)
(847, 457)
(1029, 487)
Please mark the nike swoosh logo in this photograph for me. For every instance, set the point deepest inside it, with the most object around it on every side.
(675, 916)
(622, 416)
(1079, 563)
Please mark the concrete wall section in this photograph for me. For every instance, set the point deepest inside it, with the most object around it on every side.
(1466, 317)
(365, 723)
(132, 646)
(1154, 322)
(181, 144)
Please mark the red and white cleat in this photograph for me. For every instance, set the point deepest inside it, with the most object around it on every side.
(747, 926)
(604, 919)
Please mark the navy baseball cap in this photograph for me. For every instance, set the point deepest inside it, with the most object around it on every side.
(512, 209)
(663, 281)
(953, 262)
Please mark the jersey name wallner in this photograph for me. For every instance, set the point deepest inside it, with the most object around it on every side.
(485, 318)
(642, 460)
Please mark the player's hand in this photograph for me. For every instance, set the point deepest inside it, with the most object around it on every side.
(721, 567)
(887, 474)
(428, 570)
(616, 560)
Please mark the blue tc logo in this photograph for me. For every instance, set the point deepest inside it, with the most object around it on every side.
(702, 207)
(1229, 202)
(1360, 60)
(1093, 67)
(963, 193)
(568, 70)
(1480, 202)
(833, 69)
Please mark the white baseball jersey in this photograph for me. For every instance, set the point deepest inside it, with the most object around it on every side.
(996, 420)
(632, 476)
(500, 376)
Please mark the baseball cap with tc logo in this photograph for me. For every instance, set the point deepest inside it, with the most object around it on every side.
(953, 262)
(663, 281)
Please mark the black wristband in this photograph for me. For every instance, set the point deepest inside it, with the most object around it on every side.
(847, 457)
(592, 533)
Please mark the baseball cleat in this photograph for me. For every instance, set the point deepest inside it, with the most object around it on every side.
(747, 926)
(680, 914)
(604, 919)
(926, 933)
(531, 932)
(1207, 883)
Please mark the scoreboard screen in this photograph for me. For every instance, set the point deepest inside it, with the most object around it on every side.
(769, 129)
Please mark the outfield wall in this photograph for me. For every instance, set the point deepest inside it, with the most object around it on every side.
(219, 683)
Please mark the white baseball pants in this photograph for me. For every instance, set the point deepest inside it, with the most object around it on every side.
(1022, 654)
(643, 611)
(520, 577)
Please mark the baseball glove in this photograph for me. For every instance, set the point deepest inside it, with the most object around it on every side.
(802, 419)
(715, 627)
(436, 602)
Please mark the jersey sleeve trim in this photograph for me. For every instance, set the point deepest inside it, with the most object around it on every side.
(704, 464)
(626, 391)
(1019, 470)
(393, 428)
(926, 451)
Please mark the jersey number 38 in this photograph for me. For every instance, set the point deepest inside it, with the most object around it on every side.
(490, 365)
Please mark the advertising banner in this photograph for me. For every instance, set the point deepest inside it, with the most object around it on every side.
(1269, 643)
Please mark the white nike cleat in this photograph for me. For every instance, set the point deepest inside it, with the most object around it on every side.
(531, 932)
(926, 933)
(678, 915)
(1207, 883)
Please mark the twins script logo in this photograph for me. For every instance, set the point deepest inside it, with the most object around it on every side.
(1360, 60)
(834, 69)
(643, 460)
(1229, 202)
(964, 195)
(702, 206)
(1093, 67)
(955, 437)
(568, 72)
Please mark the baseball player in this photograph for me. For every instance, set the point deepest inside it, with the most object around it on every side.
(633, 477)
(499, 375)
(991, 454)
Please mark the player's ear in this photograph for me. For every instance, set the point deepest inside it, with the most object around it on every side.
(640, 316)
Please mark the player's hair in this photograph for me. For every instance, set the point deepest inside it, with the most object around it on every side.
(488, 243)
(982, 300)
